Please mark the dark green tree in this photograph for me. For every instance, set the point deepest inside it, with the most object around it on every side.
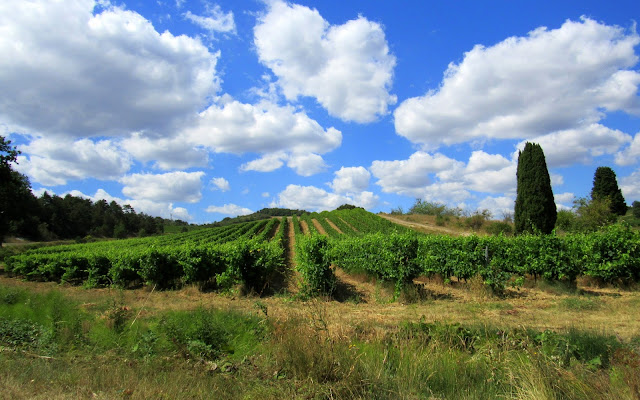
(605, 186)
(15, 191)
(535, 209)
(635, 207)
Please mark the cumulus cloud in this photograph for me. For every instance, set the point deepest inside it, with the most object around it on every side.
(525, 87)
(350, 180)
(630, 154)
(66, 70)
(156, 209)
(563, 148)
(630, 186)
(347, 68)
(229, 209)
(170, 187)
(215, 21)
(316, 199)
(279, 133)
(166, 153)
(56, 161)
(442, 179)
(498, 206)
(221, 184)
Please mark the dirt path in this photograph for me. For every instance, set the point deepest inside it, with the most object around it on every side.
(349, 225)
(334, 226)
(319, 227)
(427, 228)
(304, 227)
(293, 276)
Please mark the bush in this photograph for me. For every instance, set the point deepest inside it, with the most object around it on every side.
(314, 264)
(499, 228)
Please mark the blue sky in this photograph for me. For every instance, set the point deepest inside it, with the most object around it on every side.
(204, 109)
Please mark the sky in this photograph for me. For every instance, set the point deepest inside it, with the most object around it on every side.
(199, 110)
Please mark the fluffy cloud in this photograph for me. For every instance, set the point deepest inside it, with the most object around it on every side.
(569, 146)
(630, 154)
(630, 187)
(56, 161)
(216, 21)
(166, 153)
(316, 199)
(525, 87)
(221, 184)
(279, 133)
(229, 209)
(351, 180)
(347, 68)
(68, 70)
(169, 187)
(411, 177)
(443, 179)
(158, 209)
(499, 206)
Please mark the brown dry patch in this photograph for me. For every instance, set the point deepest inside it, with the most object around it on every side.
(424, 224)
(331, 224)
(319, 227)
(304, 227)
(440, 302)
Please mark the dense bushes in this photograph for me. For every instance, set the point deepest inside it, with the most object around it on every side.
(612, 256)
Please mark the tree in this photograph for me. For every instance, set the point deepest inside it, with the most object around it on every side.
(593, 214)
(605, 185)
(635, 207)
(15, 190)
(535, 209)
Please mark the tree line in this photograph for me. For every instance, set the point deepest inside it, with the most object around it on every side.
(53, 217)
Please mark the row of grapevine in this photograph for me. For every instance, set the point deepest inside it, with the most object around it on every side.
(241, 253)
(612, 255)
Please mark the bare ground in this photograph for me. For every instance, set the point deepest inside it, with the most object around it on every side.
(425, 224)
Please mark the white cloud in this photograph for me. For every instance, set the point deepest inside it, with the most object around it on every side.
(221, 184)
(347, 68)
(169, 187)
(167, 153)
(56, 161)
(499, 206)
(316, 199)
(630, 154)
(156, 209)
(525, 87)
(267, 163)
(411, 177)
(279, 133)
(306, 164)
(66, 70)
(442, 179)
(563, 148)
(630, 187)
(216, 21)
(350, 180)
(229, 209)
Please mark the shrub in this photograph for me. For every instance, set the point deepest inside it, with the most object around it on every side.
(314, 264)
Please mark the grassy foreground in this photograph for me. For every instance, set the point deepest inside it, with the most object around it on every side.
(68, 343)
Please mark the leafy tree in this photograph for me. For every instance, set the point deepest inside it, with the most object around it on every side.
(15, 191)
(635, 207)
(593, 214)
(605, 185)
(535, 209)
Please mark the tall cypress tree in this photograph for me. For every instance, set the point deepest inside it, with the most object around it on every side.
(535, 207)
(605, 185)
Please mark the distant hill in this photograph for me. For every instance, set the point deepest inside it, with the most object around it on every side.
(265, 213)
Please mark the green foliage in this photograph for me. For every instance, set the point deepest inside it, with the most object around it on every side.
(605, 186)
(635, 209)
(566, 221)
(535, 209)
(478, 219)
(313, 262)
(499, 228)
(430, 208)
(592, 215)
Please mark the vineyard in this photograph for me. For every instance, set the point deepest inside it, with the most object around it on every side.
(255, 254)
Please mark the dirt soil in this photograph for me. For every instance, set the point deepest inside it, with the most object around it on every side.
(425, 224)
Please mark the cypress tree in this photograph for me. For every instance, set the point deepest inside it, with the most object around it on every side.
(535, 207)
(605, 185)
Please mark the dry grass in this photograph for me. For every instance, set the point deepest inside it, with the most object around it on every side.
(370, 305)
